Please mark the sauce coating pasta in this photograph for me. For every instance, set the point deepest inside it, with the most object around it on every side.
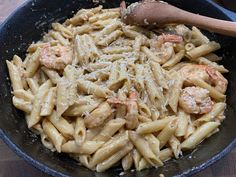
(106, 92)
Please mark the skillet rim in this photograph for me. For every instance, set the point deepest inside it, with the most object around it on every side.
(44, 168)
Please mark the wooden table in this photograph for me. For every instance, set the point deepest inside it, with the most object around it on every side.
(12, 166)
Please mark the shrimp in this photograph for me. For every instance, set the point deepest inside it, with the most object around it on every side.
(55, 57)
(206, 73)
(163, 45)
(172, 38)
(163, 50)
(132, 109)
(195, 100)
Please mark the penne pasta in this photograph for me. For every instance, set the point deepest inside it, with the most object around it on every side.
(202, 132)
(109, 149)
(154, 126)
(144, 149)
(62, 125)
(165, 135)
(107, 93)
(202, 50)
(87, 148)
(109, 129)
(55, 137)
(37, 104)
(80, 131)
(114, 158)
(49, 102)
(98, 116)
(14, 76)
(127, 162)
(22, 94)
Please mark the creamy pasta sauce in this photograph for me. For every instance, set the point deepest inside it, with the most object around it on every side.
(106, 92)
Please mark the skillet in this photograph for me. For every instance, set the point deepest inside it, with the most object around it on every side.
(28, 23)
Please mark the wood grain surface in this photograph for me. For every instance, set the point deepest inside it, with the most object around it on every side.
(12, 166)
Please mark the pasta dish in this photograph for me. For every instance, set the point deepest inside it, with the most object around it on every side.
(107, 93)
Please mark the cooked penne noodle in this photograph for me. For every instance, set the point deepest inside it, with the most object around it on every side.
(116, 50)
(66, 95)
(49, 102)
(150, 54)
(22, 94)
(216, 110)
(55, 137)
(190, 130)
(144, 109)
(14, 76)
(92, 88)
(174, 90)
(85, 29)
(136, 158)
(33, 64)
(175, 59)
(46, 142)
(213, 57)
(110, 38)
(110, 148)
(139, 71)
(167, 133)
(100, 24)
(158, 74)
(182, 122)
(88, 147)
(104, 16)
(63, 30)
(175, 146)
(155, 93)
(202, 132)
(165, 154)
(202, 50)
(137, 45)
(98, 116)
(22, 104)
(189, 46)
(84, 159)
(59, 37)
(154, 143)
(143, 164)
(127, 162)
(198, 34)
(71, 73)
(109, 129)
(154, 126)
(53, 75)
(37, 104)
(33, 85)
(62, 125)
(108, 29)
(114, 158)
(81, 109)
(80, 131)
(144, 149)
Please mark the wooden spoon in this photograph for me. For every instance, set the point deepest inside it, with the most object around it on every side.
(159, 13)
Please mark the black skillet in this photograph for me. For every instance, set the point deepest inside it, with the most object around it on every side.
(29, 23)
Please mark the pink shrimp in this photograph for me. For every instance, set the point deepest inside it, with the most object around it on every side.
(206, 73)
(55, 57)
(132, 109)
(195, 100)
(172, 38)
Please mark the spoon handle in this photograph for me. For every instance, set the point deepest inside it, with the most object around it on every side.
(163, 13)
(207, 23)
